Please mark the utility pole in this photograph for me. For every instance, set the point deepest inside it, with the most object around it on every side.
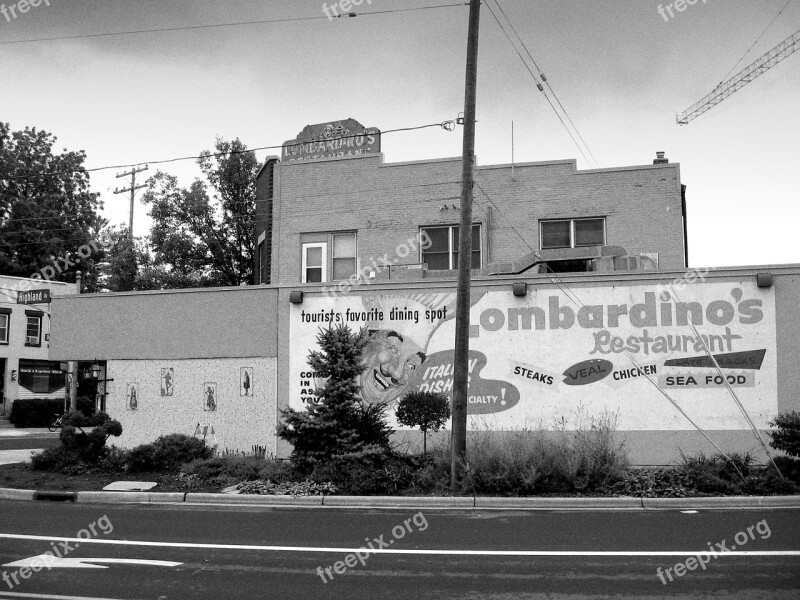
(458, 439)
(132, 190)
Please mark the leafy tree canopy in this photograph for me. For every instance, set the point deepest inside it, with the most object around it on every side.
(46, 209)
(200, 236)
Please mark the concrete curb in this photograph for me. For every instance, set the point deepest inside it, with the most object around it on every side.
(408, 502)
(253, 499)
(723, 502)
(12, 494)
(626, 502)
(400, 501)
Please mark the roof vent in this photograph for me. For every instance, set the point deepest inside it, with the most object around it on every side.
(661, 159)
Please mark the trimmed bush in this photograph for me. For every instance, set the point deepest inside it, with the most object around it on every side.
(57, 458)
(167, 453)
(35, 412)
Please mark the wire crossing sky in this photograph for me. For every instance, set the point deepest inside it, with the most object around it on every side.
(261, 70)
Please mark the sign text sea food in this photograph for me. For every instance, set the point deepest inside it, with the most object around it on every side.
(720, 312)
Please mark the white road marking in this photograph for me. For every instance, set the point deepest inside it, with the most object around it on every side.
(689, 512)
(705, 552)
(49, 561)
(49, 596)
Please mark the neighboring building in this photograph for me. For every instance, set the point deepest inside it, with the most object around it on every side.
(26, 370)
(333, 209)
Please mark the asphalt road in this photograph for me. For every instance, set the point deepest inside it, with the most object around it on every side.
(256, 552)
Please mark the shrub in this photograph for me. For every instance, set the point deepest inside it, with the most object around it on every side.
(529, 461)
(35, 412)
(717, 474)
(90, 446)
(787, 436)
(84, 405)
(240, 468)
(167, 453)
(57, 458)
(654, 483)
(338, 427)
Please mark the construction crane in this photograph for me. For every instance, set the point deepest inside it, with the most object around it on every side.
(787, 47)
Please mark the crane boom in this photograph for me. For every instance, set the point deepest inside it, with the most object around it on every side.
(742, 78)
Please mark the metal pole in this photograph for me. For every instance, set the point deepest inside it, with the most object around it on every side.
(458, 445)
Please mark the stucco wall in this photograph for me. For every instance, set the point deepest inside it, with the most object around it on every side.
(239, 422)
(196, 323)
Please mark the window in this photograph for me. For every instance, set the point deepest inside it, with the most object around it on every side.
(5, 323)
(344, 255)
(33, 331)
(328, 256)
(315, 262)
(573, 233)
(442, 254)
(40, 376)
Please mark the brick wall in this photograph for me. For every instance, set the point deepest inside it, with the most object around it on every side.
(387, 203)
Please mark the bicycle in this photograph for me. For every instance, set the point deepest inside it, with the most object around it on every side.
(56, 423)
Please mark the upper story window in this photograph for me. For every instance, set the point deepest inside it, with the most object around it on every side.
(573, 233)
(315, 259)
(344, 255)
(334, 257)
(5, 323)
(442, 254)
(33, 331)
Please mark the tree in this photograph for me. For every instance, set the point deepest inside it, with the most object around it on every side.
(425, 410)
(787, 435)
(197, 240)
(46, 209)
(338, 427)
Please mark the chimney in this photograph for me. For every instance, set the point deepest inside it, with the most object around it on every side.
(661, 159)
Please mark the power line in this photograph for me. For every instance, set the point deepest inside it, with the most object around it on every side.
(754, 43)
(446, 125)
(233, 24)
(539, 84)
(547, 82)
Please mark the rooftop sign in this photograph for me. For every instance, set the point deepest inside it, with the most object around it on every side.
(34, 297)
(336, 139)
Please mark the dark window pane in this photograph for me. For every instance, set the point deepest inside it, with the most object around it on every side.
(437, 261)
(589, 232)
(476, 259)
(555, 234)
(440, 239)
(314, 275)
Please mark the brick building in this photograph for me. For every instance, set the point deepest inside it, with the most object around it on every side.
(332, 208)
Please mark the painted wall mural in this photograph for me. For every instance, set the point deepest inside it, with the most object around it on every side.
(246, 381)
(132, 396)
(167, 381)
(555, 352)
(209, 396)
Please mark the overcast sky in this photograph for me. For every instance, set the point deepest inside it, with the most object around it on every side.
(621, 70)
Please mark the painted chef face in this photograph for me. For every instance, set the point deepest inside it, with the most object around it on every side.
(391, 361)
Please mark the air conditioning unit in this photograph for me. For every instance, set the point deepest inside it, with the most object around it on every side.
(33, 341)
